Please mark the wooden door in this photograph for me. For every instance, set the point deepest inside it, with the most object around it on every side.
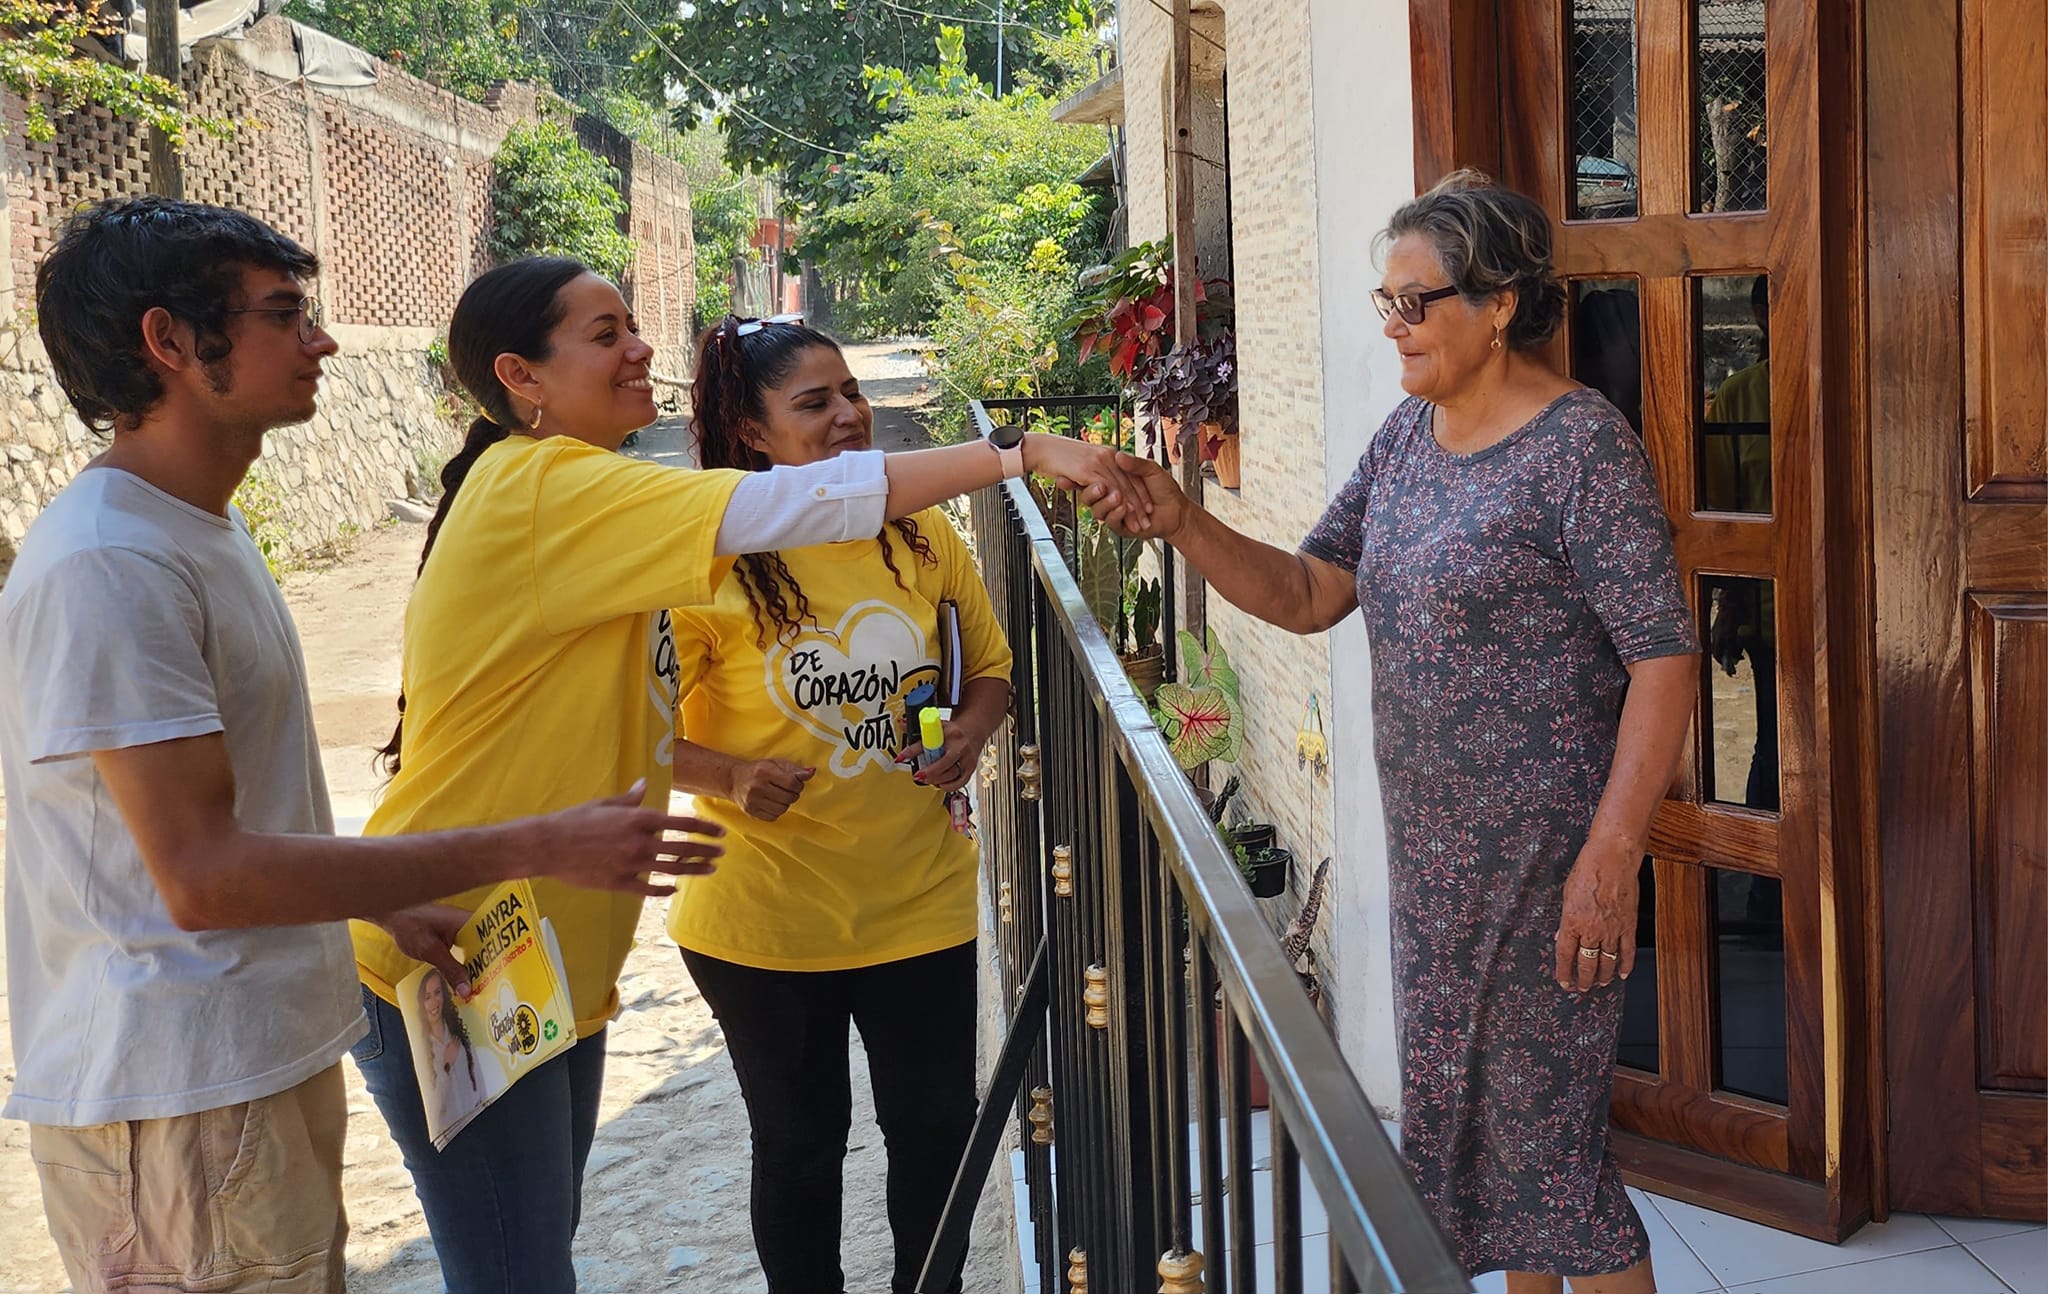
(1678, 145)
(1959, 408)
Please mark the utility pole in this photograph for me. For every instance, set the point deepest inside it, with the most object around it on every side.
(166, 168)
(1194, 600)
(999, 49)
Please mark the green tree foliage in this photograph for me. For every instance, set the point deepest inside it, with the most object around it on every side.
(461, 45)
(786, 78)
(997, 332)
(722, 220)
(994, 174)
(552, 196)
(591, 48)
(724, 203)
(40, 61)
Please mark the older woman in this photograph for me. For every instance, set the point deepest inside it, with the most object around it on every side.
(1534, 669)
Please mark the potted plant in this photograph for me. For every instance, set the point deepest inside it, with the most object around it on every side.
(1195, 385)
(1265, 869)
(1200, 715)
(1125, 309)
(1254, 836)
(1137, 638)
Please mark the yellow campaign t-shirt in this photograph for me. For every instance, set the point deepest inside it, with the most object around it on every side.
(866, 867)
(540, 673)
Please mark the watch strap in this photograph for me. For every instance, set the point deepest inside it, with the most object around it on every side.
(1011, 457)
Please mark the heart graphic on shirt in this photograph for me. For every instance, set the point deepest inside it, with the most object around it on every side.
(848, 686)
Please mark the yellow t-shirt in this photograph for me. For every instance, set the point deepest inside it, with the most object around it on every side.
(866, 867)
(539, 672)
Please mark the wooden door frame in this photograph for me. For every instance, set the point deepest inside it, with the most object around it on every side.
(1458, 91)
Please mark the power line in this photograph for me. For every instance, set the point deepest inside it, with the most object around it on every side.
(949, 17)
(730, 102)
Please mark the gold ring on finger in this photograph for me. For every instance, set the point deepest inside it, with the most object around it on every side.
(1589, 952)
(1613, 957)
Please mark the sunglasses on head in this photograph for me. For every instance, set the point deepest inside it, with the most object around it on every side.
(1413, 306)
(748, 327)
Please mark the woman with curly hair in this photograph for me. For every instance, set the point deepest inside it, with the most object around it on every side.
(848, 895)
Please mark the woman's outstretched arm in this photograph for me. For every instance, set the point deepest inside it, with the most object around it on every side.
(854, 495)
(1300, 593)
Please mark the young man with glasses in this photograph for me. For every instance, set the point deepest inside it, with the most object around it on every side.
(181, 981)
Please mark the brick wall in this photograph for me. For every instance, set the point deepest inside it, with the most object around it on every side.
(1274, 240)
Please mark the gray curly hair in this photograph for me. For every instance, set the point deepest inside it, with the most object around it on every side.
(1490, 239)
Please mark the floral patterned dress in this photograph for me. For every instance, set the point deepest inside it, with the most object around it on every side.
(1504, 592)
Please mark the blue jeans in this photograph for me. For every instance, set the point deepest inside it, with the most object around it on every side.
(502, 1202)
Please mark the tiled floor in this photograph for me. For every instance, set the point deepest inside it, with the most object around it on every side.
(1697, 1251)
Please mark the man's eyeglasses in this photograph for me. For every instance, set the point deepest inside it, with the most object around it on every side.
(311, 316)
(1412, 305)
(748, 327)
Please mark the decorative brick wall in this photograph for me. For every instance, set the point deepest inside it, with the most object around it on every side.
(390, 184)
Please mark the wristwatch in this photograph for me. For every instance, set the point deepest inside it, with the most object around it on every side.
(1008, 441)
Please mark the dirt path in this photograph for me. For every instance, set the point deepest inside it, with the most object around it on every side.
(666, 1197)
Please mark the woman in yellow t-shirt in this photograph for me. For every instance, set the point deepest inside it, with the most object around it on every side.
(540, 672)
(846, 894)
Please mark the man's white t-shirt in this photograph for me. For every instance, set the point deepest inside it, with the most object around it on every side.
(132, 617)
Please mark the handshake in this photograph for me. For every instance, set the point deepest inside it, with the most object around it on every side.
(1135, 497)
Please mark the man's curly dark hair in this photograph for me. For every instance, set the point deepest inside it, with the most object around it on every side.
(117, 260)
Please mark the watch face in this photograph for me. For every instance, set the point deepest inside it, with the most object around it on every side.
(1008, 436)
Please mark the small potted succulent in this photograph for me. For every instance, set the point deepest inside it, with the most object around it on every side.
(1265, 868)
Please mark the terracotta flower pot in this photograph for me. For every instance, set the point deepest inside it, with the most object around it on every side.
(1226, 463)
(1169, 431)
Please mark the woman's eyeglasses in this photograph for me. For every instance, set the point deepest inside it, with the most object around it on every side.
(308, 310)
(1413, 306)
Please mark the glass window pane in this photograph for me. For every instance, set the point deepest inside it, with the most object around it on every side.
(1741, 695)
(1748, 916)
(1728, 49)
(1603, 95)
(1734, 348)
(1607, 342)
(1639, 1012)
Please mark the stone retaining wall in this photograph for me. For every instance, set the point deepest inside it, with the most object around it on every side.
(381, 434)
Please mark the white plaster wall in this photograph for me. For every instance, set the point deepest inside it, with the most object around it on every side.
(1365, 167)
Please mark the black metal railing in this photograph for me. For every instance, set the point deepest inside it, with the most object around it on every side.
(1121, 919)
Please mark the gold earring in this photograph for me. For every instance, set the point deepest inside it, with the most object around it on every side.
(535, 424)
(1496, 337)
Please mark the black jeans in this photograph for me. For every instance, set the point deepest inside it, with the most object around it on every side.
(786, 1031)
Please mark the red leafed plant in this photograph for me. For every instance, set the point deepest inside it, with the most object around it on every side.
(1127, 310)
